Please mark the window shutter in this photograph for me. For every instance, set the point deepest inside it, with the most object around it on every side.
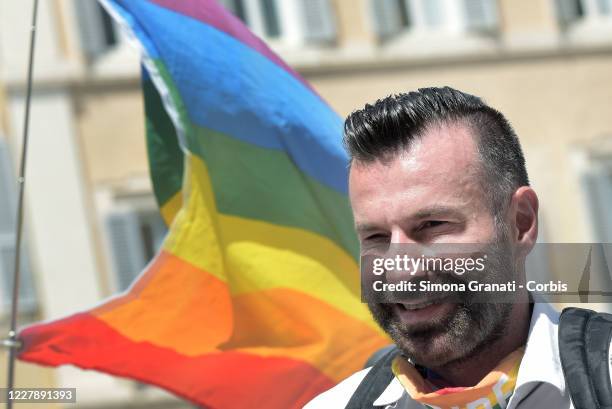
(481, 15)
(598, 185)
(271, 19)
(6, 271)
(605, 7)
(126, 245)
(569, 11)
(96, 27)
(434, 13)
(90, 27)
(7, 205)
(153, 230)
(318, 21)
(236, 7)
(27, 293)
(387, 17)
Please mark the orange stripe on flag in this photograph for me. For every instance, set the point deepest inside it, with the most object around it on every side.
(174, 305)
(275, 322)
(284, 322)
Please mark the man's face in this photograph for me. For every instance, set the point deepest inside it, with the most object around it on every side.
(431, 194)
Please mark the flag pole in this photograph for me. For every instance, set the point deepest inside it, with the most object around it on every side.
(12, 342)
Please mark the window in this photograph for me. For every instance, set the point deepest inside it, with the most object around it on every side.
(574, 11)
(295, 22)
(262, 16)
(236, 7)
(598, 184)
(271, 22)
(134, 235)
(480, 15)
(27, 296)
(99, 32)
(392, 17)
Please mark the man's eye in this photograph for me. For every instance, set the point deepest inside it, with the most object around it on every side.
(376, 238)
(430, 224)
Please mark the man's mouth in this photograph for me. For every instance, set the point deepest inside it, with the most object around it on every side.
(418, 305)
(422, 311)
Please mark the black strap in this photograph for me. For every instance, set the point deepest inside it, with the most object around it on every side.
(584, 344)
(374, 383)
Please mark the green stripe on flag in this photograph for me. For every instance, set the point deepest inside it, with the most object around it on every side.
(165, 155)
(264, 184)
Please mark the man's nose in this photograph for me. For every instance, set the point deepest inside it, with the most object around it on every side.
(399, 236)
(403, 245)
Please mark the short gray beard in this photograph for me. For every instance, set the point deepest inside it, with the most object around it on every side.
(467, 330)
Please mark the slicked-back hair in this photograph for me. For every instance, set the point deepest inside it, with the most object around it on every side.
(384, 129)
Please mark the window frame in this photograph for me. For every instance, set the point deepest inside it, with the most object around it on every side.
(597, 182)
(453, 19)
(28, 297)
(293, 30)
(93, 22)
(134, 213)
(591, 13)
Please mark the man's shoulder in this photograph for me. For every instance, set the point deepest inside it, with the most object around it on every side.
(339, 395)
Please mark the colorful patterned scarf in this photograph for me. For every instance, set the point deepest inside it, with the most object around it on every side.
(493, 391)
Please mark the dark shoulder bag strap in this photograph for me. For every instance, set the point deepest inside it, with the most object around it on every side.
(374, 383)
(584, 346)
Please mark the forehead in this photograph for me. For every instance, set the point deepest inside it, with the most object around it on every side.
(439, 168)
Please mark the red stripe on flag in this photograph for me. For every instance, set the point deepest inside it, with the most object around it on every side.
(219, 380)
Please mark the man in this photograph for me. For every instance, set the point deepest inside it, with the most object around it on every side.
(440, 166)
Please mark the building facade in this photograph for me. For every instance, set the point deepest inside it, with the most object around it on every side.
(91, 219)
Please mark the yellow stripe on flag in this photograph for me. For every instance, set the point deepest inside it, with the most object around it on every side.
(170, 209)
(252, 255)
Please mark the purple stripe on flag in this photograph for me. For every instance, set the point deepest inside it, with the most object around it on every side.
(212, 13)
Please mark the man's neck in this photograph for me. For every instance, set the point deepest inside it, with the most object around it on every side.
(468, 371)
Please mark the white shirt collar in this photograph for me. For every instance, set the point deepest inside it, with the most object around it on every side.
(540, 363)
(391, 394)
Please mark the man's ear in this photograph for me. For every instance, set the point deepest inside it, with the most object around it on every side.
(524, 217)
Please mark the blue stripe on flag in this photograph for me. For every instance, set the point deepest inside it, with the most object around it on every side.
(230, 88)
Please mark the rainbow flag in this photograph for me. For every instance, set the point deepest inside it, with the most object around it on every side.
(254, 299)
